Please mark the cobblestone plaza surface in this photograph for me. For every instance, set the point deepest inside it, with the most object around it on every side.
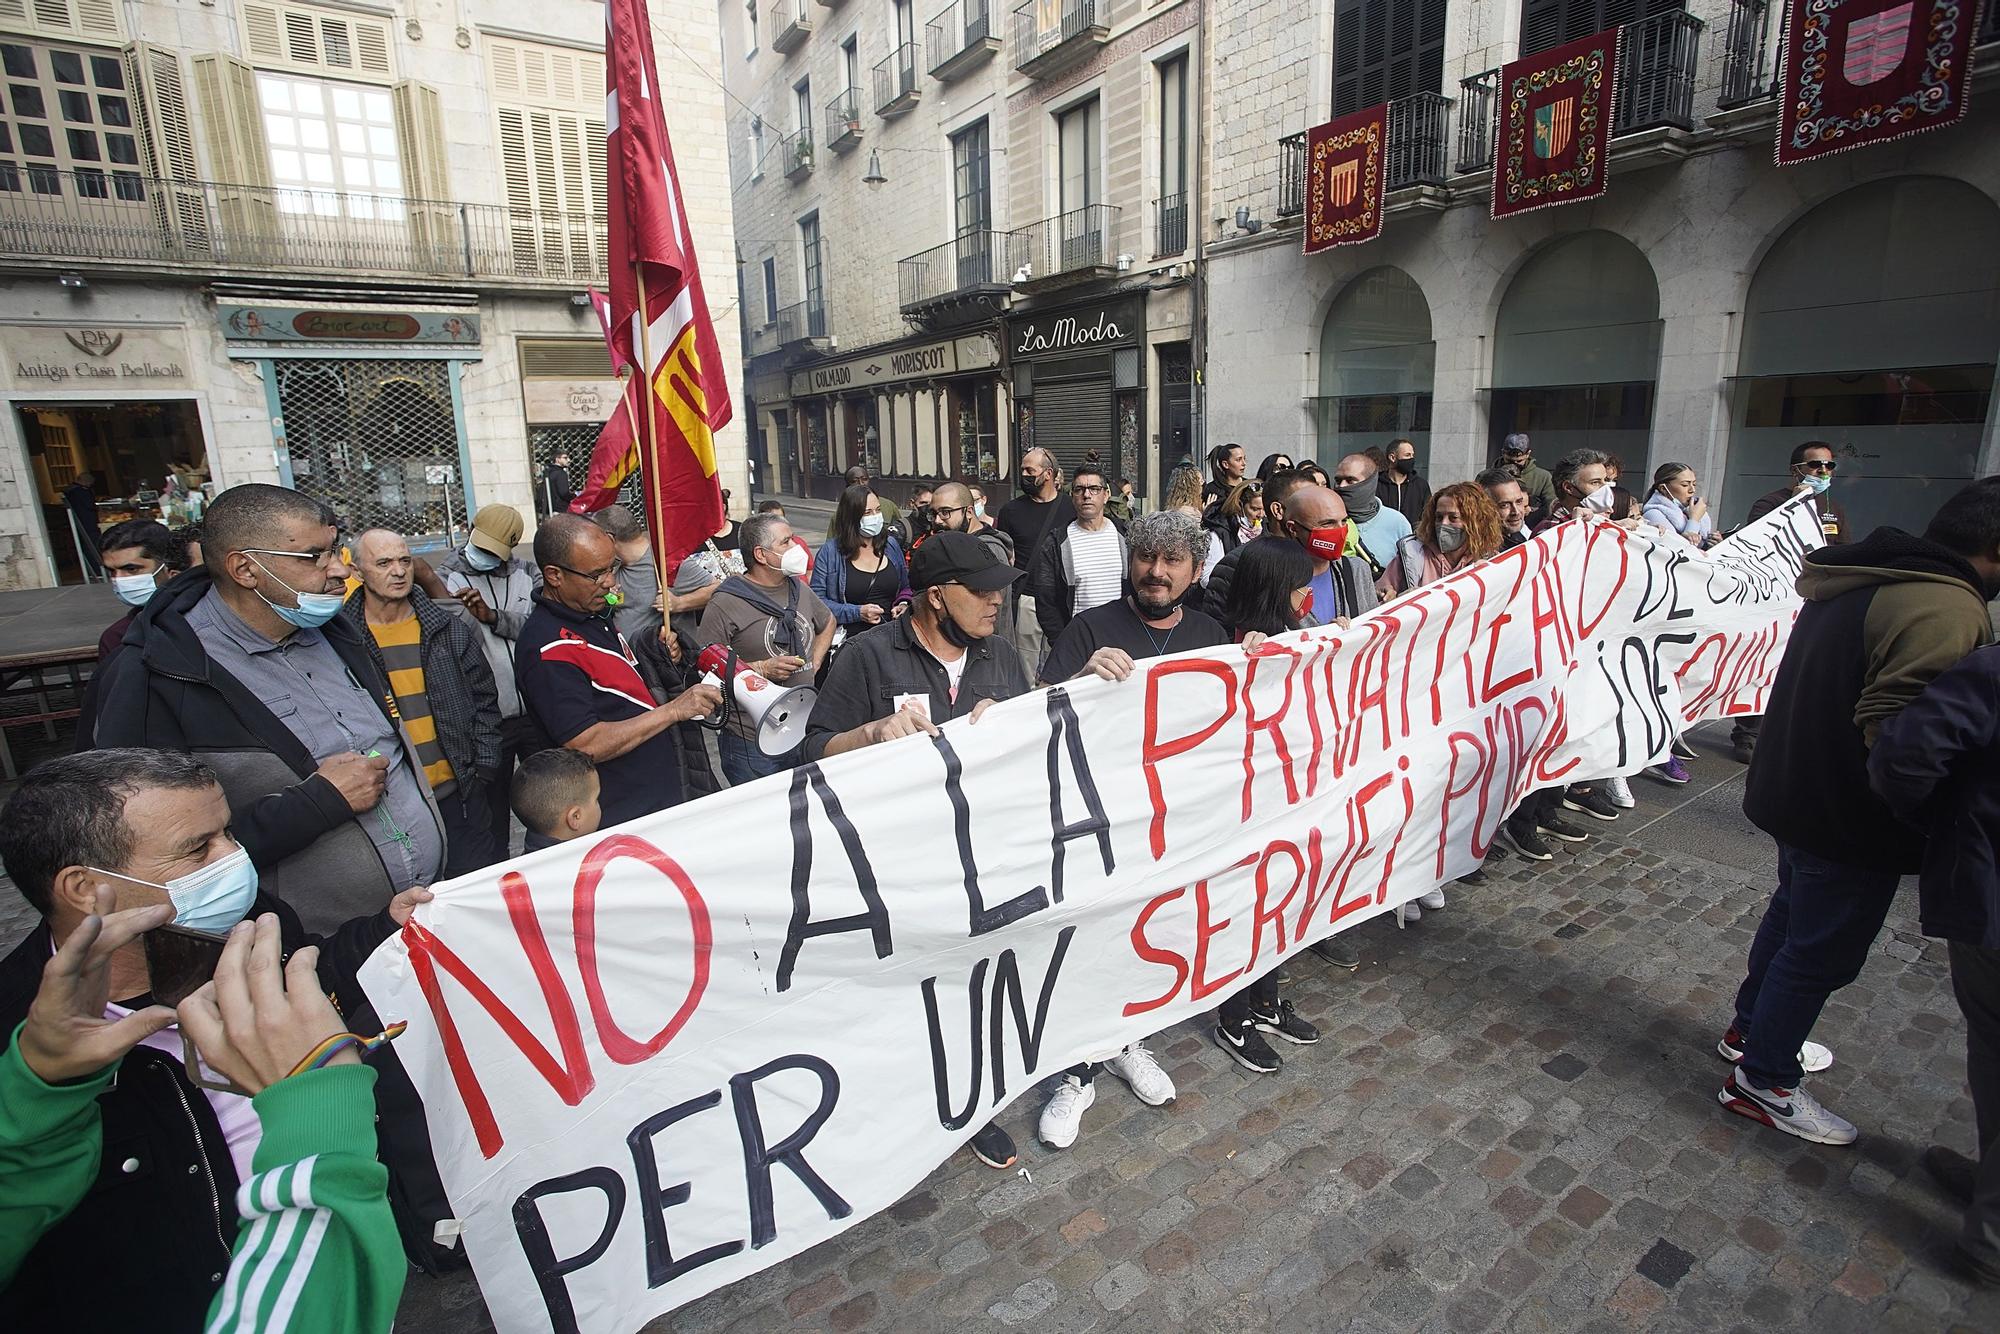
(1510, 1124)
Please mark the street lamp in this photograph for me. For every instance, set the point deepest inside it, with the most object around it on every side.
(874, 176)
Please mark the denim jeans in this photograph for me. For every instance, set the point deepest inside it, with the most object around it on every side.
(1813, 940)
(744, 762)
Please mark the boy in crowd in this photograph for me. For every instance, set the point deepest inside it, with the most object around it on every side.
(555, 794)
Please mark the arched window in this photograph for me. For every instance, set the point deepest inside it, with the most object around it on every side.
(1577, 350)
(1872, 325)
(1376, 359)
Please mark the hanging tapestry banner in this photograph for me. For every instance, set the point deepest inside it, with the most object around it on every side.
(1344, 179)
(667, 1055)
(1859, 72)
(1555, 126)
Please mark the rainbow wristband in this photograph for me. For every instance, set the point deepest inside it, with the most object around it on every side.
(340, 1042)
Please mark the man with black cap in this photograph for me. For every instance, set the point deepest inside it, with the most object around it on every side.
(943, 660)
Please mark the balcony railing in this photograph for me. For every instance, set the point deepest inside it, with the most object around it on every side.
(1656, 73)
(843, 121)
(791, 24)
(1415, 153)
(795, 153)
(968, 265)
(1170, 224)
(1081, 240)
(1292, 175)
(1052, 35)
(140, 220)
(896, 81)
(800, 321)
(1752, 42)
(960, 38)
(1476, 98)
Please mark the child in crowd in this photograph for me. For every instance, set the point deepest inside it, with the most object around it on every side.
(555, 794)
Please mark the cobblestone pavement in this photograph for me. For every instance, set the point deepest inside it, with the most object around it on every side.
(1510, 1125)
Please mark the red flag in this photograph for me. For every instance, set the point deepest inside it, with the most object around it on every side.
(657, 321)
(616, 454)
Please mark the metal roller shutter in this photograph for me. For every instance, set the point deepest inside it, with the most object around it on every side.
(1073, 416)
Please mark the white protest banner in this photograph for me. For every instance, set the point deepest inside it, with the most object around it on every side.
(662, 1058)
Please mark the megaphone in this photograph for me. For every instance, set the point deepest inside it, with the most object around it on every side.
(777, 714)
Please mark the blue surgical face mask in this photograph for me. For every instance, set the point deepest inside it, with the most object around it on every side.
(481, 560)
(214, 897)
(313, 610)
(871, 525)
(135, 590)
(1819, 482)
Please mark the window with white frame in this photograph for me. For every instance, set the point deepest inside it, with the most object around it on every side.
(328, 140)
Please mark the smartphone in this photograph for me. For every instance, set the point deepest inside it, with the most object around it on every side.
(179, 960)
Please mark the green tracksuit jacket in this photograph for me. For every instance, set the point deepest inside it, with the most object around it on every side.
(318, 1250)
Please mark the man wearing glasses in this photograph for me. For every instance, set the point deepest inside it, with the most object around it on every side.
(580, 681)
(1082, 564)
(1812, 470)
(249, 665)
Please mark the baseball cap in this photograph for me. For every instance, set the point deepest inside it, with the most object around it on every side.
(495, 530)
(959, 558)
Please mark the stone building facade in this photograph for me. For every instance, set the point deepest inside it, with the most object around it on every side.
(344, 247)
(1711, 308)
(934, 281)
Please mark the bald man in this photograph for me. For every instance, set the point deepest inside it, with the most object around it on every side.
(1387, 542)
(444, 689)
(1041, 508)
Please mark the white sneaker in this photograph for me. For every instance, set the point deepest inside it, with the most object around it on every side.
(1794, 1111)
(1813, 1058)
(1432, 901)
(1063, 1117)
(1136, 1066)
(1413, 911)
(1619, 792)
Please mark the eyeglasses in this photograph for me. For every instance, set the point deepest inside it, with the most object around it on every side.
(1085, 489)
(320, 556)
(611, 571)
(1818, 465)
(940, 511)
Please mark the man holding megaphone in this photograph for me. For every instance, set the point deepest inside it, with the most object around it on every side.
(777, 627)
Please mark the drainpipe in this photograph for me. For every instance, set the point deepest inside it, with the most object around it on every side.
(1198, 289)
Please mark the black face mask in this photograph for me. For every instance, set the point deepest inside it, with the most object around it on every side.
(1027, 487)
(1408, 465)
(949, 628)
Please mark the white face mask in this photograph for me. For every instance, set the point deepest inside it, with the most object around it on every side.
(134, 590)
(871, 525)
(979, 508)
(794, 560)
(1600, 500)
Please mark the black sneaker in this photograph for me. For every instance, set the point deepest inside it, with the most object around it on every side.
(1247, 1047)
(1683, 750)
(1589, 801)
(1476, 876)
(994, 1147)
(1558, 828)
(1284, 1021)
(1336, 951)
(1528, 844)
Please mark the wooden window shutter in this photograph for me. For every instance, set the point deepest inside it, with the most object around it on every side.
(426, 173)
(320, 41)
(153, 77)
(63, 18)
(239, 159)
(1386, 49)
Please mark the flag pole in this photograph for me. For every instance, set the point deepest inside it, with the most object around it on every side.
(644, 432)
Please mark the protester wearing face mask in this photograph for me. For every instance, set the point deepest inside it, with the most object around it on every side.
(147, 832)
(1387, 543)
(1459, 526)
(1582, 480)
(248, 662)
(140, 555)
(1403, 488)
(944, 660)
(860, 571)
(1041, 508)
(1518, 457)
(580, 681)
(775, 624)
(1676, 507)
(1812, 468)
(497, 589)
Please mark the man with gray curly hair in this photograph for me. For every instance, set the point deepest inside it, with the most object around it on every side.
(1163, 554)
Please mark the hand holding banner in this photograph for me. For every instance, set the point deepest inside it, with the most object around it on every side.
(664, 1058)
